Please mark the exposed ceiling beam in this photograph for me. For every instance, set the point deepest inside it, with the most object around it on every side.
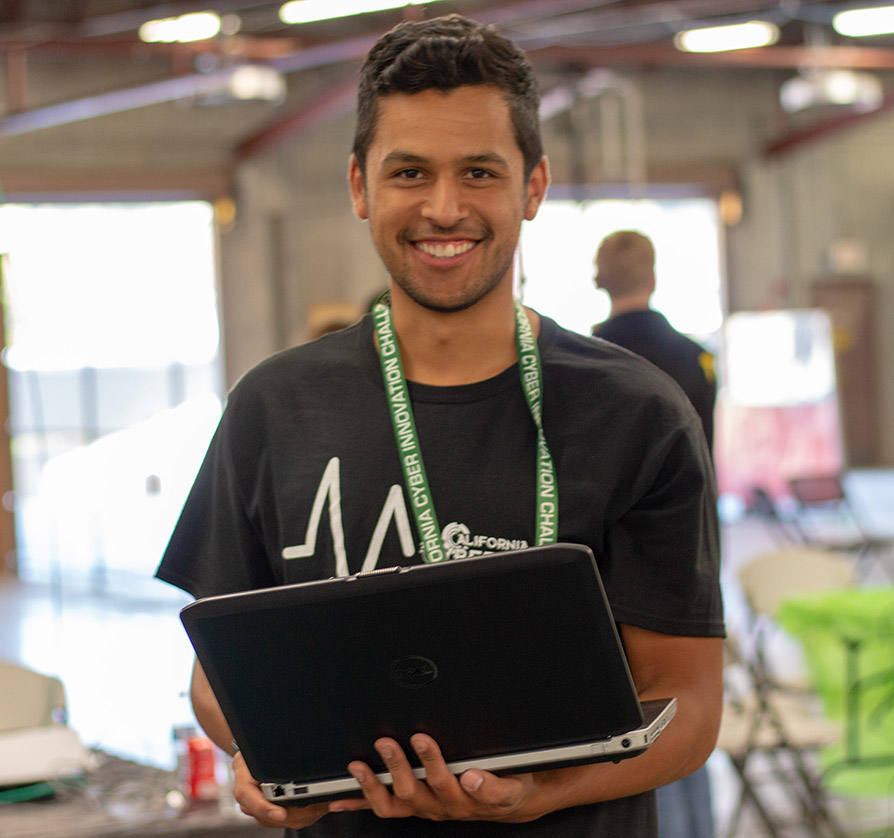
(530, 11)
(353, 49)
(248, 47)
(330, 103)
(169, 90)
(532, 15)
(117, 23)
(765, 58)
(198, 84)
(824, 128)
(291, 55)
(116, 101)
(287, 56)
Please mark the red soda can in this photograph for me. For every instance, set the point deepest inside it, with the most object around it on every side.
(201, 778)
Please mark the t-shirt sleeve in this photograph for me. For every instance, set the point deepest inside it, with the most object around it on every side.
(663, 551)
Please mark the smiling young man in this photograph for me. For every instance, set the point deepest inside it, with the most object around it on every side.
(447, 164)
(444, 187)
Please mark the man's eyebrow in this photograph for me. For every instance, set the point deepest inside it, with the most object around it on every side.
(402, 157)
(408, 157)
(489, 157)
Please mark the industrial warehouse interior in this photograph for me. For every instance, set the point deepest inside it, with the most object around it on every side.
(174, 209)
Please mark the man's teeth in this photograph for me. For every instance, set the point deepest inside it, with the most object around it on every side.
(445, 251)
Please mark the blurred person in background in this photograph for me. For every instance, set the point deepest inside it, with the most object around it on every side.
(625, 269)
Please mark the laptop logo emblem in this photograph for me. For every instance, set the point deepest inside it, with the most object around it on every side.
(413, 672)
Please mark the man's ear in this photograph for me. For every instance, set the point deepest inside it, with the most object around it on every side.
(538, 183)
(358, 189)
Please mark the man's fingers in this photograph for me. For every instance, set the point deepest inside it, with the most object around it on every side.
(403, 781)
(251, 799)
(476, 795)
(471, 781)
(503, 794)
(377, 796)
(437, 775)
(252, 802)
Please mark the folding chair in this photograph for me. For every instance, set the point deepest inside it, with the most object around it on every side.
(767, 737)
(827, 519)
(766, 720)
(784, 531)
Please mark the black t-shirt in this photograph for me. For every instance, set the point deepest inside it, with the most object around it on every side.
(648, 334)
(303, 481)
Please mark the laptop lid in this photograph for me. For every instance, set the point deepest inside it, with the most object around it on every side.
(511, 661)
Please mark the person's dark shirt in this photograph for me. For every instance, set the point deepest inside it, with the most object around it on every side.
(648, 334)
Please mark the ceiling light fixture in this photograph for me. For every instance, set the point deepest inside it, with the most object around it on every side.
(308, 11)
(257, 82)
(819, 88)
(857, 23)
(754, 33)
(199, 26)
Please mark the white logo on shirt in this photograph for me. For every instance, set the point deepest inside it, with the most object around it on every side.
(457, 538)
(460, 543)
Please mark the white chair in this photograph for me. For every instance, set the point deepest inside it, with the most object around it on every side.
(37, 747)
(772, 577)
(29, 698)
(769, 738)
(770, 721)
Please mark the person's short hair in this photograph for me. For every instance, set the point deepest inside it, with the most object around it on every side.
(444, 53)
(625, 264)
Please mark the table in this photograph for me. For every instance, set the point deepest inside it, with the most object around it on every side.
(848, 640)
(123, 799)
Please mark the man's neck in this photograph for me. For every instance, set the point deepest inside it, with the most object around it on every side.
(624, 305)
(449, 349)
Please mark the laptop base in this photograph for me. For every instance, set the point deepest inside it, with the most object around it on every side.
(658, 714)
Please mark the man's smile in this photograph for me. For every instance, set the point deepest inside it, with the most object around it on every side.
(445, 250)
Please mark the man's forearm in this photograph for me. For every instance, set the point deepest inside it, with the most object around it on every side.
(674, 755)
(208, 712)
(689, 669)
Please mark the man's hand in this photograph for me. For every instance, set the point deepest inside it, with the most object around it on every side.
(475, 795)
(251, 800)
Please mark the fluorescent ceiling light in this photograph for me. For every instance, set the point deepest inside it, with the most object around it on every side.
(192, 27)
(861, 22)
(755, 33)
(307, 11)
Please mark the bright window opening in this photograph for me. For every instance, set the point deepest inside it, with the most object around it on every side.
(558, 246)
(115, 380)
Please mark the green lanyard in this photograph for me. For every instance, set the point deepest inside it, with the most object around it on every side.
(415, 479)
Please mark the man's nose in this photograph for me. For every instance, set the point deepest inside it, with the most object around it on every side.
(444, 204)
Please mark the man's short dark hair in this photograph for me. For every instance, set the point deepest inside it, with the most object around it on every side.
(442, 54)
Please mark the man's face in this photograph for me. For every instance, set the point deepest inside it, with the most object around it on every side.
(445, 194)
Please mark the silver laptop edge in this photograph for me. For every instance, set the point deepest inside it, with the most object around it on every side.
(617, 747)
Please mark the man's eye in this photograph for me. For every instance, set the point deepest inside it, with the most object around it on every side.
(409, 174)
(479, 174)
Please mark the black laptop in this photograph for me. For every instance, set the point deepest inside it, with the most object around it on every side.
(511, 661)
